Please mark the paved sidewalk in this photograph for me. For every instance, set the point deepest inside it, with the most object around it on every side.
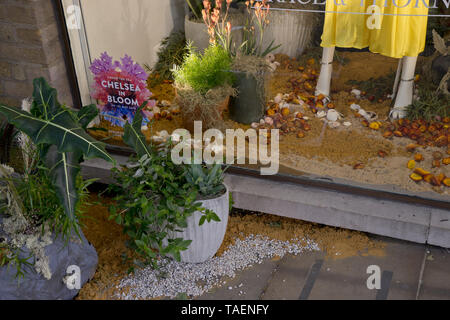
(408, 271)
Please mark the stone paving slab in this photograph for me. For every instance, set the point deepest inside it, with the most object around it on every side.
(314, 276)
(347, 278)
(436, 275)
(290, 276)
(249, 284)
(439, 234)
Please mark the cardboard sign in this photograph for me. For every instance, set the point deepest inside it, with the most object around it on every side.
(120, 88)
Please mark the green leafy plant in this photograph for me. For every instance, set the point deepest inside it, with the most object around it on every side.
(375, 87)
(45, 200)
(208, 179)
(153, 198)
(42, 205)
(34, 203)
(60, 136)
(429, 106)
(10, 256)
(196, 7)
(205, 72)
(172, 52)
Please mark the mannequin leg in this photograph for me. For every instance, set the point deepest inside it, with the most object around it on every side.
(405, 88)
(398, 76)
(324, 82)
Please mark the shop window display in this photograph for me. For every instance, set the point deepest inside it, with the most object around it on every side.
(359, 90)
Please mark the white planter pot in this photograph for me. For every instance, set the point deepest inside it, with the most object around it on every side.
(293, 30)
(197, 33)
(207, 238)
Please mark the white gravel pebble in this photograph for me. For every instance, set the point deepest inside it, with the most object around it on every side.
(196, 279)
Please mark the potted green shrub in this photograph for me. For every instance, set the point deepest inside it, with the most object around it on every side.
(39, 223)
(214, 197)
(158, 202)
(204, 86)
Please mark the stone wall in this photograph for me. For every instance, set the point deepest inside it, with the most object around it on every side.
(30, 47)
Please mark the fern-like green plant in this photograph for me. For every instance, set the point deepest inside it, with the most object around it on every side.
(205, 72)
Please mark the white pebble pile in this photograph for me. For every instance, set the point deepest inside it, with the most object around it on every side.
(193, 280)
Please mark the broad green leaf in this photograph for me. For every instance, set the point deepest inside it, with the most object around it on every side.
(202, 220)
(60, 130)
(45, 101)
(86, 115)
(134, 137)
(64, 168)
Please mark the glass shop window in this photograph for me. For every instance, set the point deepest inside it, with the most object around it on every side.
(356, 91)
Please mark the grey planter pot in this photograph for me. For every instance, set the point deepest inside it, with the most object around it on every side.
(208, 238)
(34, 286)
(197, 33)
(293, 30)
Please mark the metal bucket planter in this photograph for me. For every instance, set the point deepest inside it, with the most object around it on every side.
(293, 30)
(249, 105)
(207, 238)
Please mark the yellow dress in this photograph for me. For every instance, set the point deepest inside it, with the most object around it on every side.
(401, 30)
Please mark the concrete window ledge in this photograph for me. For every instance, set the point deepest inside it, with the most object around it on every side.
(401, 220)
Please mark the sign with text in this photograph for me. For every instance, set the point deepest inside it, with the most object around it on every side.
(120, 88)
